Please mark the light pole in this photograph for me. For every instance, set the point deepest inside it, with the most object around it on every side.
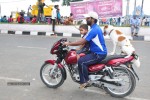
(0, 11)
(127, 8)
(127, 12)
(135, 7)
(142, 7)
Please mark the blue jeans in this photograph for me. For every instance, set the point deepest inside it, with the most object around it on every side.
(86, 61)
(136, 29)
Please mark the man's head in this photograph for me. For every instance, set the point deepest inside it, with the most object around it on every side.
(56, 6)
(83, 29)
(91, 18)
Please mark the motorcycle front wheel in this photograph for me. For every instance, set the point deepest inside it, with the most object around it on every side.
(54, 80)
(128, 83)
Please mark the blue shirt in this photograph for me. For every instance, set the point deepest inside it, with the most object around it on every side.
(135, 21)
(96, 40)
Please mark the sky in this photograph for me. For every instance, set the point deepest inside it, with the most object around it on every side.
(7, 6)
(17, 5)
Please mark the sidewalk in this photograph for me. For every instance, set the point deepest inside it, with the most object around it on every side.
(63, 30)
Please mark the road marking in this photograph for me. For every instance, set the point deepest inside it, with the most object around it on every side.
(30, 47)
(103, 93)
(134, 98)
(94, 91)
(10, 79)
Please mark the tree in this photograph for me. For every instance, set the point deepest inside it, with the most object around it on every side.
(55, 0)
(66, 2)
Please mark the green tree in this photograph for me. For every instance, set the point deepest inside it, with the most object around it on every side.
(66, 2)
(55, 0)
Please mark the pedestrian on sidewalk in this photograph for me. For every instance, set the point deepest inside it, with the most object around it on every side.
(54, 18)
(135, 25)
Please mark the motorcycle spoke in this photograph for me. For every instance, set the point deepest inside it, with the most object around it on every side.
(51, 79)
(46, 75)
(57, 80)
(125, 83)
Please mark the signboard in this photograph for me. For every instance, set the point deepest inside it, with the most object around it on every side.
(104, 8)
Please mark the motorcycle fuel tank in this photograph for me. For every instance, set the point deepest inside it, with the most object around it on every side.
(71, 57)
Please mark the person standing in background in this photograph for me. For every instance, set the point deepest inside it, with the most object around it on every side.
(54, 17)
(122, 21)
(118, 21)
(41, 17)
(4, 19)
(58, 16)
(10, 19)
(28, 13)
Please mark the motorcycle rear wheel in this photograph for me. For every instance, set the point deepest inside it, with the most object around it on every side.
(128, 80)
(52, 81)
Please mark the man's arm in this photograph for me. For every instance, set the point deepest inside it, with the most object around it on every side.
(76, 43)
(80, 47)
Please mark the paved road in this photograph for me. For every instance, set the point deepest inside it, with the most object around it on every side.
(22, 56)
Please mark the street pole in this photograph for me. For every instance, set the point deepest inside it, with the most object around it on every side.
(0, 11)
(135, 7)
(127, 11)
(142, 7)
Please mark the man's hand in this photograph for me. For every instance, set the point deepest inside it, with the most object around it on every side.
(66, 43)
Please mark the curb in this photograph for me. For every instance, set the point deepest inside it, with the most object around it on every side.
(39, 33)
(139, 38)
(71, 31)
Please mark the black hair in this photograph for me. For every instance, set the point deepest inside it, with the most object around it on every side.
(43, 4)
(56, 6)
(71, 14)
(84, 26)
(95, 20)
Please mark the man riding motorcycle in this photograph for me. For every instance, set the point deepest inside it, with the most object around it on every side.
(98, 50)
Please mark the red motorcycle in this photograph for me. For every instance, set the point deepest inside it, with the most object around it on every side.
(114, 74)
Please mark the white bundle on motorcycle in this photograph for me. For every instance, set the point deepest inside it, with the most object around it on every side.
(136, 62)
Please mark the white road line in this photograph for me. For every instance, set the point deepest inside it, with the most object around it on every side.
(134, 98)
(31, 47)
(103, 93)
(94, 91)
(10, 79)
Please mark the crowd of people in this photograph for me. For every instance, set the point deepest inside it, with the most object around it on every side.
(64, 20)
(68, 20)
(123, 21)
(134, 22)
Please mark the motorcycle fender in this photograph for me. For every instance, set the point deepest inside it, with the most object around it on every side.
(63, 69)
(65, 74)
(50, 61)
(59, 65)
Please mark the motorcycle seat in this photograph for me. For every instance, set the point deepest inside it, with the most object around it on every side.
(110, 57)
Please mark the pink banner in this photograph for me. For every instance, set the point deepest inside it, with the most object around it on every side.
(104, 8)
